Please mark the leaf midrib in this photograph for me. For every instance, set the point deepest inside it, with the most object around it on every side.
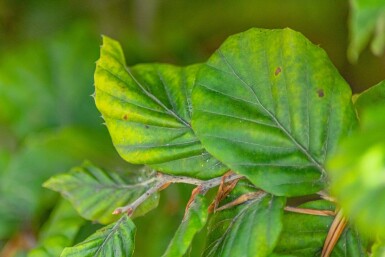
(280, 126)
(113, 230)
(147, 93)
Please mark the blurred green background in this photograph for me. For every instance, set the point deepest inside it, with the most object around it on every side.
(48, 121)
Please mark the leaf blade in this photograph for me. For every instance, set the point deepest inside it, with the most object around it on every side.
(194, 220)
(304, 234)
(147, 109)
(252, 229)
(116, 240)
(266, 85)
(87, 188)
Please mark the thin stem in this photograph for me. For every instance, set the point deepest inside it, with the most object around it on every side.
(164, 180)
(129, 209)
(335, 231)
(310, 211)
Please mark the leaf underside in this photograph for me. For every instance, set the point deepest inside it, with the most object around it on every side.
(271, 106)
(147, 110)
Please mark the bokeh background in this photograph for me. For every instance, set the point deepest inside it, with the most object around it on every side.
(48, 121)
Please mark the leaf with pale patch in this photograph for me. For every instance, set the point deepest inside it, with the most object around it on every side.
(147, 110)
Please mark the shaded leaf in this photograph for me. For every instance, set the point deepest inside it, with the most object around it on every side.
(357, 173)
(251, 229)
(59, 231)
(147, 109)
(95, 194)
(286, 102)
(114, 240)
(367, 17)
(194, 220)
(304, 235)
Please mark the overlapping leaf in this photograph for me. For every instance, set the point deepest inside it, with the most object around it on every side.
(250, 230)
(304, 235)
(59, 232)
(194, 220)
(370, 98)
(95, 194)
(115, 240)
(357, 170)
(271, 106)
(147, 109)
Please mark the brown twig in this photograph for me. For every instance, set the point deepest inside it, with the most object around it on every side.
(243, 198)
(163, 180)
(310, 211)
(224, 189)
(335, 231)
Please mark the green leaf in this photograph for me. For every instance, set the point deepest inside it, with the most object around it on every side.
(114, 240)
(147, 109)
(194, 220)
(59, 231)
(367, 16)
(304, 234)
(271, 106)
(357, 173)
(95, 194)
(378, 249)
(251, 229)
(370, 98)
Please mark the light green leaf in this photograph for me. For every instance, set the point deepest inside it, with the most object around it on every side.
(370, 98)
(357, 173)
(147, 109)
(249, 230)
(59, 231)
(378, 249)
(367, 16)
(194, 220)
(271, 106)
(114, 240)
(95, 194)
(304, 234)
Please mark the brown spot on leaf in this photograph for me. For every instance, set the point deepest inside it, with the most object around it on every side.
(320, 92)
(125, 117)
(277, 71)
